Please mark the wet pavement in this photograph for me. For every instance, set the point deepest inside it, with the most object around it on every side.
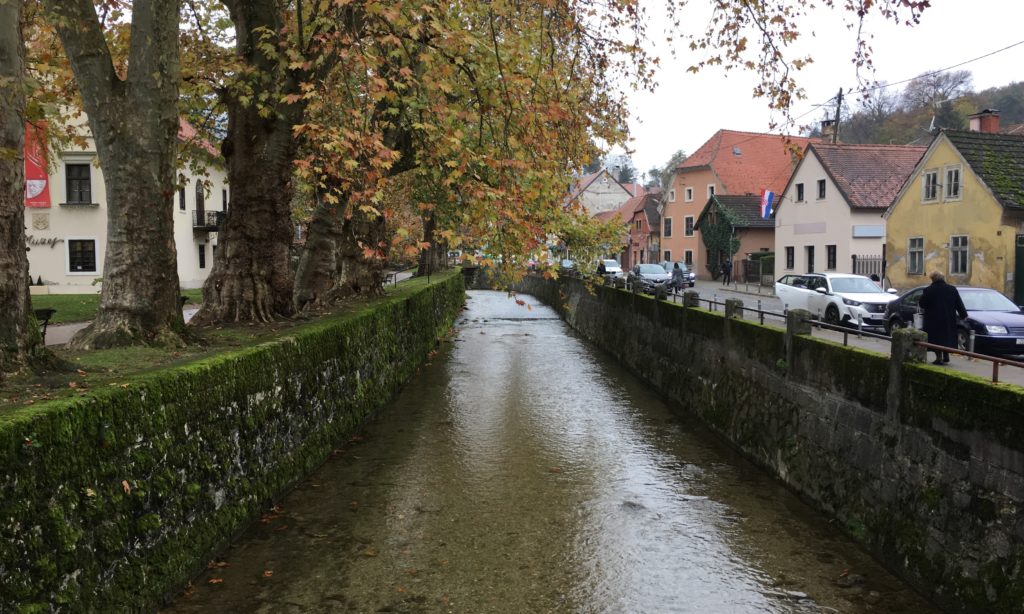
(524, 471)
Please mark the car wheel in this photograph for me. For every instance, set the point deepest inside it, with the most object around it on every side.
(963, 339)
(832, 315)
(894, 323)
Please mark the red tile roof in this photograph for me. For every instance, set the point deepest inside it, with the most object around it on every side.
(748, 162)
(188, 134)
(868, 176)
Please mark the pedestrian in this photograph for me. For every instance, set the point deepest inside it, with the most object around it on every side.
(601, 270)
(942, 306)
(727, 272)
(678, 279)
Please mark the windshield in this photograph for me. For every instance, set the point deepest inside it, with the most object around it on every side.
(651, 269)
(611, 264)
(986, 300)
(855, 285)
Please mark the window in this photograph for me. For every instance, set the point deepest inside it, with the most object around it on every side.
(202, 255)
(790, 257)
(821, 189)
(671, 196)
(930, 189)
(688, 257)
(200, 196)
(959, 255)
(810, 258)
(688, 195)
(953, 182)
(830, 257)
(79, 184)
(214, 250)
(799, 192)
(707, 255)
(81, 255)
(668, 256)
(638, 225)
(223, 201)
(668, 227)
(711, 190)
(915, 256)
(181, 198)
(688, 222)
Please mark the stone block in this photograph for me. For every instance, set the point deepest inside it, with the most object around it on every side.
(691, 298)
(733, 308)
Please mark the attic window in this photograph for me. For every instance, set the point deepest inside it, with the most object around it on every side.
(736, 151)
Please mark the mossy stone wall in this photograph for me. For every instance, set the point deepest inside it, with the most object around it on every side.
(113, 501)
(930, 480)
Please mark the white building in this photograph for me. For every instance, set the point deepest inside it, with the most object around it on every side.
(831, 209)
(66, 218)
(599, 192)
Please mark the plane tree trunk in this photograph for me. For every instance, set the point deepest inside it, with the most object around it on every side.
(19, 335)
(134, 122)
(433, 258)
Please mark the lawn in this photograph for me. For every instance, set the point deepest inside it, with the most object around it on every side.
(82, 307)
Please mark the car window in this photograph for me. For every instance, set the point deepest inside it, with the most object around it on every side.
(986, 300)
(854, 285)
(912, 298)
(813, 283)
(651, 269)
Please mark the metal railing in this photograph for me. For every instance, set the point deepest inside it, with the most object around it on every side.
(208, 220)
(995, 360)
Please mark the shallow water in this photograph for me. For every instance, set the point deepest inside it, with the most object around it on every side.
(524, 471)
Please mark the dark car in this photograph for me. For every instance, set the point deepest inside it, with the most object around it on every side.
(647, 276)
(997, 323)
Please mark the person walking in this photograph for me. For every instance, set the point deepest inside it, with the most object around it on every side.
(727, 272)
(678, 279)
(942, 305)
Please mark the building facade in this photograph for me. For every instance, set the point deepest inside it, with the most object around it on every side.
(66, 218)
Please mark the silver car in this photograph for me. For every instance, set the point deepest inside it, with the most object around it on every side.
(647, 276)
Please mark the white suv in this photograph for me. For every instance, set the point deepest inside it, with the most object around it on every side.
(836, 297)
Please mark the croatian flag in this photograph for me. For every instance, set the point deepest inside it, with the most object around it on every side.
(767, 199)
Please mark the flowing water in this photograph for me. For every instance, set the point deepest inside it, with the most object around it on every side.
(524, 471)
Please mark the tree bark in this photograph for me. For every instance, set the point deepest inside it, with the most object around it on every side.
(19, 335)
(341, 258)
(252, 278)
(435, 257)
(134, 122)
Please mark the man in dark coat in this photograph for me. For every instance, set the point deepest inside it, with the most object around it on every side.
(941, 305)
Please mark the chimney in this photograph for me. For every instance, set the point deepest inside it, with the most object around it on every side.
(987, 121)
(828, 131)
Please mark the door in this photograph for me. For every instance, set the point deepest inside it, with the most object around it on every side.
(1018, 272)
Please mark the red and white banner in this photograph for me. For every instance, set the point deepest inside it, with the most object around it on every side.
(37, 180)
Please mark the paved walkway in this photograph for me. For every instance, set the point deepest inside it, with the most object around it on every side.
(750, 295)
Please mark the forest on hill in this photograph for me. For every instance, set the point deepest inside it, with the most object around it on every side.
(929, 102)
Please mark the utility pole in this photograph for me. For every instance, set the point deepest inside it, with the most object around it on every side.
(839, 107)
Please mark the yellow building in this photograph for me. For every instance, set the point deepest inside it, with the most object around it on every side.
(961, 212)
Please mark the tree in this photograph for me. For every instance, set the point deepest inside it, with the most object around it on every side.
(19, 336)
(627, 173)
(665, 174)
(718, 232)
(132, 109)
(933, 88)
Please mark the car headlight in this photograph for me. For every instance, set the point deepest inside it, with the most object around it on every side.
(851, 303)
(995, 330)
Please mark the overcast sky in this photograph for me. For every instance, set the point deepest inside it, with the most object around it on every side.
(686, 109)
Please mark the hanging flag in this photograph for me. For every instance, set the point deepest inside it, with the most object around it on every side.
(37, 180)
(767, 200)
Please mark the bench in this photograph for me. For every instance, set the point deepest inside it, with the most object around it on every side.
(44, 315)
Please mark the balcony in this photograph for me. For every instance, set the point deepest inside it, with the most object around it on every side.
(207, 221)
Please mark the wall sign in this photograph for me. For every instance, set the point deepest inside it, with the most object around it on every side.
(49, 241)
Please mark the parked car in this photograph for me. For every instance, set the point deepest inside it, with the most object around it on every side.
(688, 275)
(838, 298)
(611, 267)
(648, 276)
(997, 323)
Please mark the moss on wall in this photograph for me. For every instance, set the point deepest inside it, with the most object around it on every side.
(112, 501)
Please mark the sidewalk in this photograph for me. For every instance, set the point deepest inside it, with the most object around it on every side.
(60, 334)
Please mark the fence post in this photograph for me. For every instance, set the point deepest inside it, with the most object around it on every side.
(798, 322)
(691, 298)
(733, 308)
(904, 351)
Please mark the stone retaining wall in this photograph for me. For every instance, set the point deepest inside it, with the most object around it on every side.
(924, 467)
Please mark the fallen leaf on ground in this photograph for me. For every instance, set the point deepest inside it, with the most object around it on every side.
(268, 573)
(216, 580)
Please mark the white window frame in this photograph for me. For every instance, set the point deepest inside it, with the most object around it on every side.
(959, 183)
(668, 255)
(790, 257)
(666, 226)
(910, 251)
(801, 195)
(688, 257)
(711, 190)
(966, 248)
(935, 185)
(672, 196)
(688, 223)
(67, 257)
(688, 195)
(822, 189)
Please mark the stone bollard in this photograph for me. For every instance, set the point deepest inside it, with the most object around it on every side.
(798, 322)
(691, 298)
(904, 352)
(660, 293)
(733, 308)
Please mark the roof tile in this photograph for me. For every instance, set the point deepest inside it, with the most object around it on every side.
(869, 176)
(748, 162)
